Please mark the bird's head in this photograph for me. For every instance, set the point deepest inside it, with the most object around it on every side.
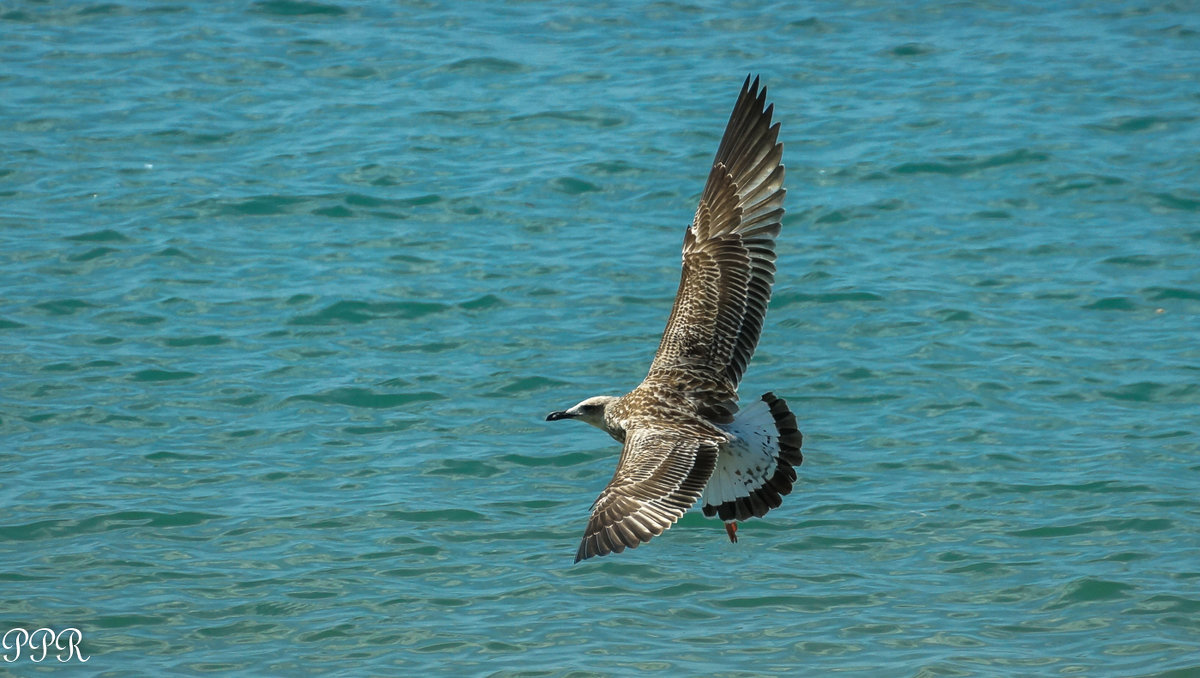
(591, 411)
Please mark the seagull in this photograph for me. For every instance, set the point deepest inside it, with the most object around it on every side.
(684, 438)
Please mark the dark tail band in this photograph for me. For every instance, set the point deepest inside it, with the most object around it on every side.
(770, 494)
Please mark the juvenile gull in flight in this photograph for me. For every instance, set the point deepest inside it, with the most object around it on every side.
(684, 438)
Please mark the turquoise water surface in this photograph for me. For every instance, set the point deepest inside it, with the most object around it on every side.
(288, 288)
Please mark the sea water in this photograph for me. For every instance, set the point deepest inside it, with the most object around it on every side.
(287, 289)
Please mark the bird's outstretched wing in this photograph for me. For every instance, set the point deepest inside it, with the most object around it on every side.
(660, 475)
(728, 263)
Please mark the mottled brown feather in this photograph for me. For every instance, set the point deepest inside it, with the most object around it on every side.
(661, 475)
(728, 263)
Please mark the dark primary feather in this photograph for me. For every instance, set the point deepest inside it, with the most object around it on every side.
(728, 262)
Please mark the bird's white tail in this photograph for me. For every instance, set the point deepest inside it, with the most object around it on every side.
(756, 469)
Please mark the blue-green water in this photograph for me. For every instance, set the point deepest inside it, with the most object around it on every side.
(288, 287)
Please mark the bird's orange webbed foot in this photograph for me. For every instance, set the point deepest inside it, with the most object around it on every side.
(731, 530)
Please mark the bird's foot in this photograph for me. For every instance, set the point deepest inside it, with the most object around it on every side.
(731, 530)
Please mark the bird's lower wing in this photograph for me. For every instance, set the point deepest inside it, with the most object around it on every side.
(660, 476)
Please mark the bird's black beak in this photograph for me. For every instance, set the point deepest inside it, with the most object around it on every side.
(555, 416)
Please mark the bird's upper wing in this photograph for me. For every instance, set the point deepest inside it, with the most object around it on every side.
(728, 262)
(660, 475)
